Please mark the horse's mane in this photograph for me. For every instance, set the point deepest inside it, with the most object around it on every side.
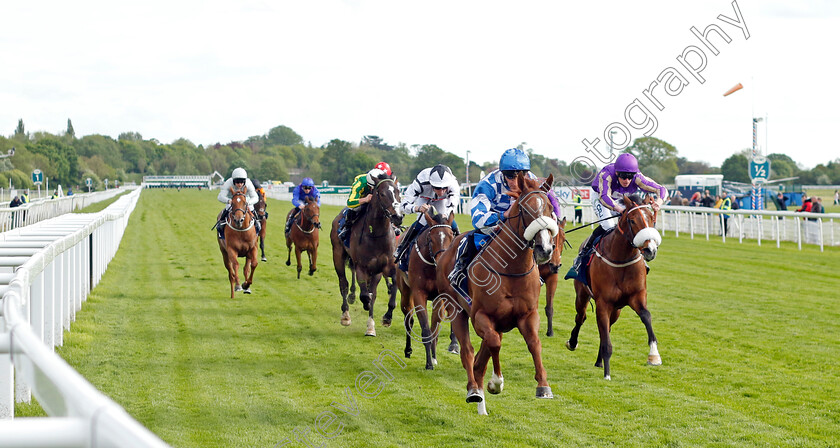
(635, 198)
(439, 218)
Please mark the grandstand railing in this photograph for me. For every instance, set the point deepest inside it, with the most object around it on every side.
(41, 209)
(46, 272)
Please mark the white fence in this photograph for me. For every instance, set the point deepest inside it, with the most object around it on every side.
(41, 209)
(46, 272)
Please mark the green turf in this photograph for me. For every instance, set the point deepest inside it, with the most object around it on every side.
(748, 337)
(101, 205)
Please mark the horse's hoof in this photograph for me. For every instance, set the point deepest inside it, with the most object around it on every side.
(654, 360)
(345, 319)
(408, 353)
(371, 328)
(607, 377)
(454, 349)
(247, 291)
(497, 384)
(434, 361)
(312, 272)
(351, 299)
(430, 367)
(371, 333)
(544, 392)
(475, 396)
(288, 263)
(266, 259)
(482, 408)
(549, 333)
(386, 322)
(237, 288)
(570, 347)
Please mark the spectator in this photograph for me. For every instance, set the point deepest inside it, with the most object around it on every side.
(725, 204)
(781, 201)
(15, 202)
(707, 200)
(695, 199)
(718, 202)
(676, 199)
(806, 206)
(816, 206)
(836, 197)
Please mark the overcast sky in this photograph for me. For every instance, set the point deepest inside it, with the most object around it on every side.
(464, 75)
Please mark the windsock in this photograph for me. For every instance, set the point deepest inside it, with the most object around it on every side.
(734, 89)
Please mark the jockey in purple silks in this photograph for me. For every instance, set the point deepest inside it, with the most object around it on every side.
(612, 182)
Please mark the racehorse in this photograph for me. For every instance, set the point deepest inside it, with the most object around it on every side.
(305, 234)
(504, 284)
(549, 275)
(618, 277)
(262, 217)
(420, 283)
(371, 251)
(240, 241)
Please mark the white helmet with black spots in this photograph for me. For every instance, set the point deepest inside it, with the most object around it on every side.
(373, 175)
(441, 176)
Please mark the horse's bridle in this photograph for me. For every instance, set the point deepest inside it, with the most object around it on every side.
(382, 207)
(243, 210)
(429, 246)
(311, 220)
(521, 200)
(629, 235)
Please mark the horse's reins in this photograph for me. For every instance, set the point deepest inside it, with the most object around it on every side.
(243, 210)
(429, 245)
(311, 220)
(530, 244)
(382, 207)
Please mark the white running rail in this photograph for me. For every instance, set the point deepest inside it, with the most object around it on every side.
(41, 209)
(46, 272)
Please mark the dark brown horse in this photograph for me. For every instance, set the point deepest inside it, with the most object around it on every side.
(618, 278)
(305, 234)
(371, 251)
(419, 284)
(503, 281)
(262, 217)
(549, 276)
(240, 241)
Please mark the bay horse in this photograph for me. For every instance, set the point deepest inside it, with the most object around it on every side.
(618, 278)
(305, 234)
(240, 241)
(550, 277)
(503, 281)
(371, 251)
(419, 284)
(262, 217)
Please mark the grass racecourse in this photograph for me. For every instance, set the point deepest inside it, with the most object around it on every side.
(748, 337)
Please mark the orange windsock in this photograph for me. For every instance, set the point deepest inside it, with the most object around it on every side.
(734, 89)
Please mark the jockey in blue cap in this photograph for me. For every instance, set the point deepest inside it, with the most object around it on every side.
(306, 189)
(490, 204)
(611, 184)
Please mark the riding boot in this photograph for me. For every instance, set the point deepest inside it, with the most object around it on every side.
(220, 224)
(349, 218)
(291, 220)
(406, 240)
(584, 251)
(464, 259)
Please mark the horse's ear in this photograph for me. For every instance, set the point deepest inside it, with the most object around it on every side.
(451, 218)
(627, 201)
(549, 182)
(430, 215)
(231, 189)
(563, 223)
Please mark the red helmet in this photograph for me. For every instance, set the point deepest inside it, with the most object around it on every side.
(384, 167)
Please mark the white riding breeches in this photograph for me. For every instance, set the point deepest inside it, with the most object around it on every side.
(602, 212)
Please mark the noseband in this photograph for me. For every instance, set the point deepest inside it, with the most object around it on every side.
(310, 218)
(629, 236)
(429, 246)
(239, 209)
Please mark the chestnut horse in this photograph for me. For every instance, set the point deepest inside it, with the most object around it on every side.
(549, 276)
(371, 251)
(503, 281)
(262, 217)
(420, 283)
(305, 234)
(240, 241)
(618, 277)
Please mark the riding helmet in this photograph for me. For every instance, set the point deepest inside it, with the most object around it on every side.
(374, 175)
(239, 173)
(514, 159)
(626, 163)
(307, 182)
(441, 176)
(384, 167)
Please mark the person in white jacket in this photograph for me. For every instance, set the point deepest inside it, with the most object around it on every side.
(433, 187)
(237, 178)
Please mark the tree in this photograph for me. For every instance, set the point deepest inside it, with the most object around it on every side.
(334, 161)
(781, 166)
(657, 158)
(70, 131)
(20, 132)
(283, 135)
(735, 168)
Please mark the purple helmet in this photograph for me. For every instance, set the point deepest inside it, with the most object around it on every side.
(626, 163)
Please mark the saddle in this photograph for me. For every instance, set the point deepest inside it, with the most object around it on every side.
(586, 259)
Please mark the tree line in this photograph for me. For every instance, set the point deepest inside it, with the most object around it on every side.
(282, 155)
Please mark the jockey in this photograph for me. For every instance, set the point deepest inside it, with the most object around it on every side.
(306, 189)
(612, 182)
(238, 178)
(490, 205)
(360, 194)
(433, 187)
(258, 188)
